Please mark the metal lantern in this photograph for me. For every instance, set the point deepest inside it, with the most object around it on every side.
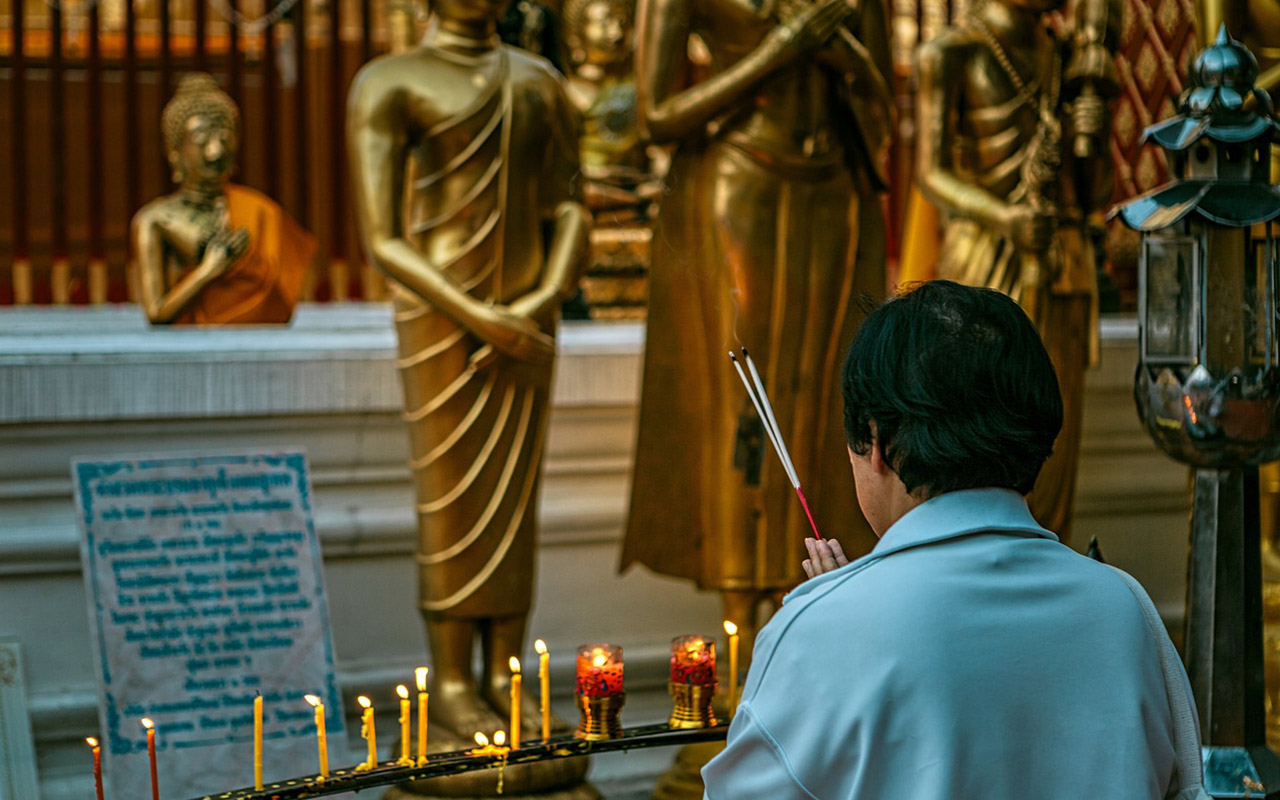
(1207, 385)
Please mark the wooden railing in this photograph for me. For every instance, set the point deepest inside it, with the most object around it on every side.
(81, 90)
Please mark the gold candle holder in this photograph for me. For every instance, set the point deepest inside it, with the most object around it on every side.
(692, 705)
(598, 716)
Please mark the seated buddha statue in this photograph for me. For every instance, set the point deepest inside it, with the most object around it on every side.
(213, 252)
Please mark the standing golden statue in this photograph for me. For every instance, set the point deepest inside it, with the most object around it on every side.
(769, 233)
(1013, 127)
(600, 38)
(464, 156)
(214, 253)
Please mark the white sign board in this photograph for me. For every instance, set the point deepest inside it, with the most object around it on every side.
(204, 581)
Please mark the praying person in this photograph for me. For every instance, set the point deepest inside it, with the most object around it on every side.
(969, 654)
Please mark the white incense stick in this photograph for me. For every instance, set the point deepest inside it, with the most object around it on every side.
(768, 409)
(760, 399)
(773, 436)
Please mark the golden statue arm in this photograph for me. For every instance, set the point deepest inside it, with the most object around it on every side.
(377, 153)
(671, 114)
(162, 307)
(933, 158)
(567, 260)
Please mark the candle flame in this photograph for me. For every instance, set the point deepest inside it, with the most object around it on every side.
(403, 691)
(730, 628)
(421, 674)
(147, 723)
(313, 700)
(500, 738)
(540, 646)
(514, 663)
(481, 739)
(364, 702)
(598, 660)
(91, 741)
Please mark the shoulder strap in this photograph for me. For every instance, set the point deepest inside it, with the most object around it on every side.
(1182, 707)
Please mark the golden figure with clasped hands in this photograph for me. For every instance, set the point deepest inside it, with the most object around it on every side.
(769, 232)
(463, 153)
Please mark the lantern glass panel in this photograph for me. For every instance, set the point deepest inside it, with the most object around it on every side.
(1170, 299)
(1259, 306)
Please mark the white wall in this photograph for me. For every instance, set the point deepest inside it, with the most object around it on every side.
(76, 382)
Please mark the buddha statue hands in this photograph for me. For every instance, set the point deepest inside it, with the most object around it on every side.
(223, 249)
(804, 29)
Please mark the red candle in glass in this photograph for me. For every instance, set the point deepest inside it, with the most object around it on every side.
(693, 660)
(599, 670)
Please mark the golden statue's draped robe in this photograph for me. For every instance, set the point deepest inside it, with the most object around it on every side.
(263, 285)
(475, 434)
(768, 246)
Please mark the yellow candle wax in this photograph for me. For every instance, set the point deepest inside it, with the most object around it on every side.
(403, 691)
(257, 742)
(368, 732)
(321, 741)
(514, 663)
(421, 674)
(544, 686)
(732, 630)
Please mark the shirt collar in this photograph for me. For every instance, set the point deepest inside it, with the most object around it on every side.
(958, 514)
(947, 516)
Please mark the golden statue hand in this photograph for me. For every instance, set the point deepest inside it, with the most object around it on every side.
(805, 29)
(1030, 229)
(224, 249)
(517, 336)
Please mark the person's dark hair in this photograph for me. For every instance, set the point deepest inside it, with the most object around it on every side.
(959, 386)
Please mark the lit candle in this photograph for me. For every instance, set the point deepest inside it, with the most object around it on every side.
(367, 731)
(421, 674)
(321, 741)
(693, 660)
(544, 686)
(403, 691)
(732, 630)
(514, 663)
(257, 742)
(599, 670)
(97, 764)
(151, 754)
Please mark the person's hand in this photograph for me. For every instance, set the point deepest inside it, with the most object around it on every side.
(824, 556)
(1030, 229)
(805, 28)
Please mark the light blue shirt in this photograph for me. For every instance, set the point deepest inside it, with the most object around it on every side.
(970, 655)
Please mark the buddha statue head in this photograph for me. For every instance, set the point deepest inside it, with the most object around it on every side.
(599, 32)
(200, 125)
